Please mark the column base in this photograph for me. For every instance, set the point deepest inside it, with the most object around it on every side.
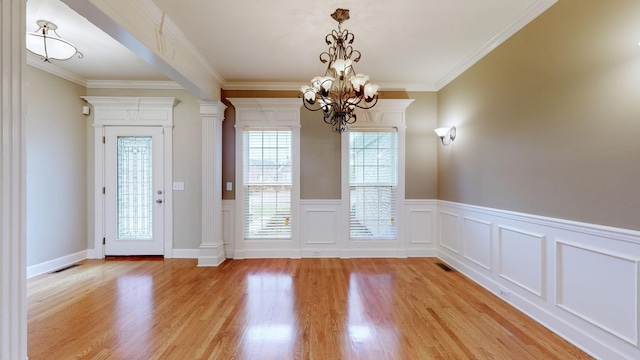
(211, 255)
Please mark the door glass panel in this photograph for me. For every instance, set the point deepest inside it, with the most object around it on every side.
(135, 187)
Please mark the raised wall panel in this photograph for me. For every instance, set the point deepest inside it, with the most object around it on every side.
(477, 242)
(420, 225)
(449, 231)
(600, 287)
(320, 226)
(226, 225)
(521, 259)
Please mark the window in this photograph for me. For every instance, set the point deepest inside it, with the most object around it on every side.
(135, 187)
(267, 184)
(373, 173)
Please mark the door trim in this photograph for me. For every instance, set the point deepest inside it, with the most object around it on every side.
(130, 111)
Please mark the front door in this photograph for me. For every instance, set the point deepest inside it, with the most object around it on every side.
(134, 192)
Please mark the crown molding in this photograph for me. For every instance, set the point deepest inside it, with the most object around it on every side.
(295, 86)
(131, 84)
(535, 10)
(35, 61)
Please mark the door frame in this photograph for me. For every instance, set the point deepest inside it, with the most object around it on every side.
(130, 111)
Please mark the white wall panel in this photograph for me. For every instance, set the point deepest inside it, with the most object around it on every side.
(521, 259)
(420, 226)
(320, 226)
(600, 287)
(449, 231)
(477, 242)
(228, 227)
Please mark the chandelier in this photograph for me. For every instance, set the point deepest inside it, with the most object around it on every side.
(46, 43)
(341, 90)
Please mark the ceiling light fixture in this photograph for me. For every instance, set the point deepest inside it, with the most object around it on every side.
(445, 132)
(341, 90)
(46, 43)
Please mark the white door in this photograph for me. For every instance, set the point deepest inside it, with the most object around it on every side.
(134, 191)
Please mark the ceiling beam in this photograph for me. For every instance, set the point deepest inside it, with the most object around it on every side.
(144, 29)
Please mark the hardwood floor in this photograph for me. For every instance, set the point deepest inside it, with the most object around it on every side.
(277, 309)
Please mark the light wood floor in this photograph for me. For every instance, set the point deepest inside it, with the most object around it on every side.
(277, 309)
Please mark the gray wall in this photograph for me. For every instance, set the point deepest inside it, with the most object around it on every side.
(187, 161)
(320, 147)
(56, 168)
(548, 123)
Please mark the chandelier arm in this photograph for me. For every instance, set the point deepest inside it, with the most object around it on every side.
(368, 105)
(349, 36)
(325, 57)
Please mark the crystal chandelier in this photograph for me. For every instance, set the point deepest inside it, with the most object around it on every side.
(341, 90)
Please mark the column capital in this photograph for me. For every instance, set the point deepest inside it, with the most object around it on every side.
(213, 108)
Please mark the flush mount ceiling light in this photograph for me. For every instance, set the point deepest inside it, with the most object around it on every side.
(445, 132)
(341, 90)
(46, 43)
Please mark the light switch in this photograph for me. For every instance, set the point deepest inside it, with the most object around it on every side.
(178, 186)
(229, 186)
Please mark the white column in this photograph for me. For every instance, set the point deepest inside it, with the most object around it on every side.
(13, 302)
(212, 247)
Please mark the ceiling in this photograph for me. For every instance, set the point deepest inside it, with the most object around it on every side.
(405, 44)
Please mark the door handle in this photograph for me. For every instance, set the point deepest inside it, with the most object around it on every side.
(159, 201)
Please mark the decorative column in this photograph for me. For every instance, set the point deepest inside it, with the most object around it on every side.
(13, 300)
(212, 247)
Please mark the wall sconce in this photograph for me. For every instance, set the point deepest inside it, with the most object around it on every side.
(444, 132)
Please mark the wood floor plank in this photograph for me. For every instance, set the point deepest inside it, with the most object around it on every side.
(277, 309)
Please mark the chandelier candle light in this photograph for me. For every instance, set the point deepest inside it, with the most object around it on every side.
(341, 90)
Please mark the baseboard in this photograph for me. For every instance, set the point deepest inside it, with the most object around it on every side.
(186, 253)
(56, 264)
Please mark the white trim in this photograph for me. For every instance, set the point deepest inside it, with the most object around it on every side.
(13, 298)
(123, 111)
(167, 147)
(267, 113)
(129, 84)
(516, 25)
(211, 245)
(56, 264)
(186, 253)
(35, 61)
(387, 113)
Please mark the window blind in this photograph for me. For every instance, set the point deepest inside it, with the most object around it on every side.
(373, 184)
(267, 183)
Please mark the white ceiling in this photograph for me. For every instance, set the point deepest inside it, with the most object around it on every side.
(405, 44)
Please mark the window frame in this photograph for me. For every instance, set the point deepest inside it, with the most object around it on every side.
(266, 114)
(248, 184)
(388, 115)
(393, 184)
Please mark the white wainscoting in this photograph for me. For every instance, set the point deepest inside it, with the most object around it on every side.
(324, 233)
(579, 280)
